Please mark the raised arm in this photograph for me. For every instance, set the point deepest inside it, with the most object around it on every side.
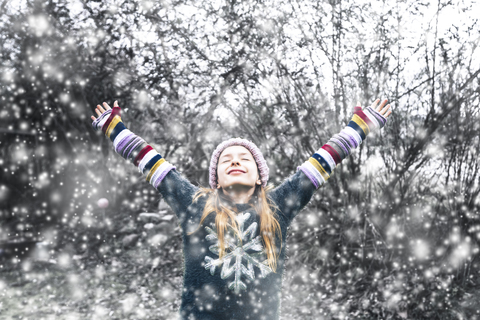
(295, 192)
(177, 191)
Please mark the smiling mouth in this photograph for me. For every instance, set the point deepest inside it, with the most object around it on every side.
(235, 172)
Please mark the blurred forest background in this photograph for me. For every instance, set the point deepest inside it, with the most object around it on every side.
(394, 234)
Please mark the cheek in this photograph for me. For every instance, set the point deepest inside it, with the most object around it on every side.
(252, 169)
(221, 172)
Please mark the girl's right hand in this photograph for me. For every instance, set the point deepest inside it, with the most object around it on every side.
(99, 110)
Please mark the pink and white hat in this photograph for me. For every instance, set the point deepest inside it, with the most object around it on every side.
(254, 150)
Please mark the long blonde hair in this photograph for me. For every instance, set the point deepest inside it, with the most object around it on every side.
(218, 203)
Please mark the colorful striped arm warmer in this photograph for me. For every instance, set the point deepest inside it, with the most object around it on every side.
(132, 147)
(321, 165)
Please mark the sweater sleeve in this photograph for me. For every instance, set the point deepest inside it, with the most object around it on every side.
(294, 193)
(177, 191)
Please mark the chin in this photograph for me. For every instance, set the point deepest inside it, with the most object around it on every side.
(244, 184)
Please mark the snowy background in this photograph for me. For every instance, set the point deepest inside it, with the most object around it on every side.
(395, 234)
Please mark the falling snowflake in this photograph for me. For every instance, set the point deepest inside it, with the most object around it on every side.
(238, 251)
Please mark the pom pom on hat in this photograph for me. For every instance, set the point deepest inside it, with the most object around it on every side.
(254, 150)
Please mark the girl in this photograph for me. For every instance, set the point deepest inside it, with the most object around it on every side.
(234, 232)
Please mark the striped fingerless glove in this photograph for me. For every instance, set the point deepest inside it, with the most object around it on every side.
(132, 147)
(320, 166)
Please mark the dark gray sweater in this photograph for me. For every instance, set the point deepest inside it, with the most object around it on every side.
(241, 285)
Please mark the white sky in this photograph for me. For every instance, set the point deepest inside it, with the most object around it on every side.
(418, 28)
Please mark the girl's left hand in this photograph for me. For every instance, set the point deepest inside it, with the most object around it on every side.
(383, 108)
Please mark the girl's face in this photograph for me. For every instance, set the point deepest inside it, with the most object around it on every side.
(236, 166)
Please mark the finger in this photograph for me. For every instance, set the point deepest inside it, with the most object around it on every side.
(93, 118)
(380, 107)
(107, 107)
(384, 110)
(99, 107)
(358, 104)
(115, 104)
(374, 104)
(388, 113)
(98, 112)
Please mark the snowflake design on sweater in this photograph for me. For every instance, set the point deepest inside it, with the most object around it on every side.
(238, 253)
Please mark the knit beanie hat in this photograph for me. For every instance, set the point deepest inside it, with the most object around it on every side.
(254, 150)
